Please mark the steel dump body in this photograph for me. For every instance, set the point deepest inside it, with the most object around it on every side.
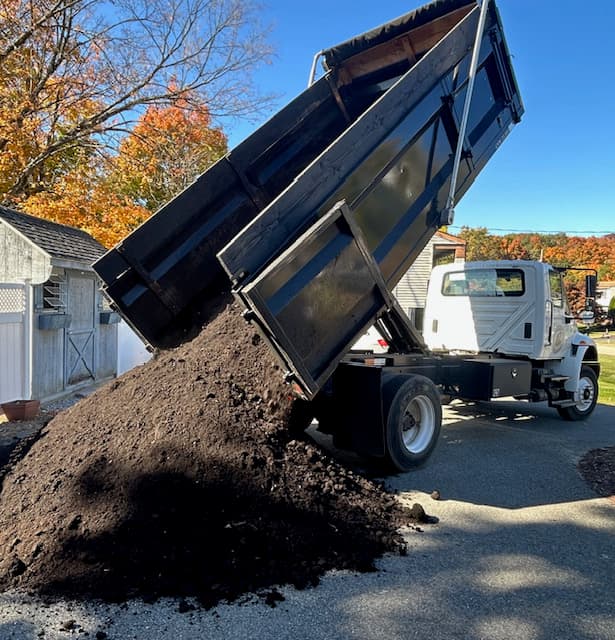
(315, 217)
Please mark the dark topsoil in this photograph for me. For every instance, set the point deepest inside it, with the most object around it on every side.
(598, 468)
(181, 478)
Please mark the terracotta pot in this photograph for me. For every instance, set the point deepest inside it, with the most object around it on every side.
(21, 409)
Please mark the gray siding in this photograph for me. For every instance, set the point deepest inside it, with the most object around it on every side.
(411, 290)
(72, 348)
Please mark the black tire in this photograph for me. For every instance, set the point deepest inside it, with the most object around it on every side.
(588, 383)
(300, 418)
(413, 421)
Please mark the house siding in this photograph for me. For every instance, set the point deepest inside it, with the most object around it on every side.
(56, 364)
(411, 290)
(604, 295)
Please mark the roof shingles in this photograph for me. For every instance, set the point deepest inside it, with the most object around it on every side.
(58, 240)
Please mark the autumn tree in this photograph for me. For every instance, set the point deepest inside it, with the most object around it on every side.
(557, 249)
(480, 244)
(84, 198)
(560, 250)
(167, 149)
(108, 197)
(512, 248)
(575, 295)
(76, 75)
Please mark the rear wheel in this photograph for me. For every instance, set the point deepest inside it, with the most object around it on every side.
(587, 397)
(413, 421)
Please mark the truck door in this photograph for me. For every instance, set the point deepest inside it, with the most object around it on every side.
(561, 327)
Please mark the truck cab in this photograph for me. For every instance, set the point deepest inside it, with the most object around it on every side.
(515, 308)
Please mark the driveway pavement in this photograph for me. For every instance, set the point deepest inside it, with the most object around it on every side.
(522, 550)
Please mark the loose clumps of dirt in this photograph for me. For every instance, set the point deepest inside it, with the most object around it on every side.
(598, 468)
(181, 478)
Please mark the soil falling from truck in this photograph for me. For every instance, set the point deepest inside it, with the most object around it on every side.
(182, 479)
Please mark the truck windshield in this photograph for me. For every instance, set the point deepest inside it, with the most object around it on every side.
(484, 283)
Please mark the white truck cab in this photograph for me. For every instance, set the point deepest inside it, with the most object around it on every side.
(513, 308)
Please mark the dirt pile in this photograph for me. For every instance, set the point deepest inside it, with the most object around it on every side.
(182, 479)
(598, 468)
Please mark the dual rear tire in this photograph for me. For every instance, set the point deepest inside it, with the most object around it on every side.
(413, 417)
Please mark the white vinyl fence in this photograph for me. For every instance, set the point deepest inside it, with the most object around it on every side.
(12, 342)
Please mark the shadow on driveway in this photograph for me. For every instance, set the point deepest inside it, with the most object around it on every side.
(511, 455)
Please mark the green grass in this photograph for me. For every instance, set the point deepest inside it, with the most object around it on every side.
(607, 380)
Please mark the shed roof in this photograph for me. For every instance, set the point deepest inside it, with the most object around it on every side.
(58, 240)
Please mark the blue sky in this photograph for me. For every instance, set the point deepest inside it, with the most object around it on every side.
(556, 170)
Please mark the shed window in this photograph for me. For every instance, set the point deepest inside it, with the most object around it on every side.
(54, 294)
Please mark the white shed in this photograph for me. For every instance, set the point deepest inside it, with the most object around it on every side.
(57, 333)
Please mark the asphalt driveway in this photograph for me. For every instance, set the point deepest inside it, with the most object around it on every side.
(522, 550)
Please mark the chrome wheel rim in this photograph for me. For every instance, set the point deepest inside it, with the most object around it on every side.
(418, 424)
(586, 393)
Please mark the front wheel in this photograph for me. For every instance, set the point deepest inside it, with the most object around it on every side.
(413, 421)
(587, 397)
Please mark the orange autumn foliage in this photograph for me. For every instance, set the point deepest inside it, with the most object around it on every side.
(79, 201)
(168, 148)
(593, 252)
(560, 250)
(75, 74)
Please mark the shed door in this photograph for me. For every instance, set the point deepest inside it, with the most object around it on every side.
(79, 354)
(12, 342)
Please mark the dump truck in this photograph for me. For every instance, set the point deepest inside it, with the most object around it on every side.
(313, 219)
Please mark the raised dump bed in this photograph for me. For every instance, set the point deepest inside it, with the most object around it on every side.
(315, 217)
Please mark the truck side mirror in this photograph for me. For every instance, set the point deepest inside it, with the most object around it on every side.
(590, 286)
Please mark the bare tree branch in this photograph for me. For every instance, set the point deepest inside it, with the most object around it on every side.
(79, 72)
(56, 8)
